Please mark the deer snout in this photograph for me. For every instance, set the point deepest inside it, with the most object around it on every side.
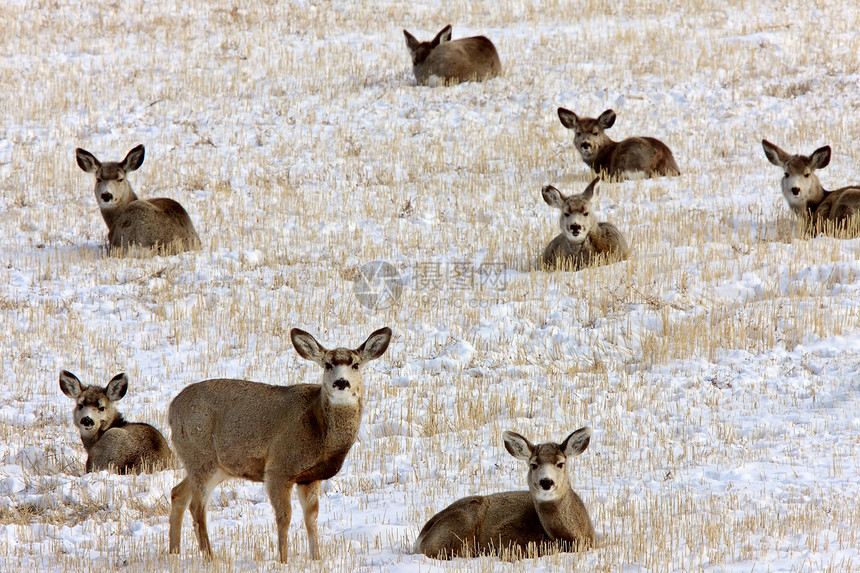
(106, 197)
(341, 384)
(585, 146)
(574, 229)
(87, 422)
(795, 191)
(546, 483)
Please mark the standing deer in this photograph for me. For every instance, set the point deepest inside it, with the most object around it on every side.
(582, 241)
(833, 212)
(617, 159)
(111, 442)
(548, 517)
(147, 223)
(280, 435)
(445, 62)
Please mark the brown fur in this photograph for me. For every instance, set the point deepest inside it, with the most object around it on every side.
(832, 212)
(582, 241)
(280, 435)
(617, 159)
(442, 61)
(112, 443)
(161, 224)
(517, 523)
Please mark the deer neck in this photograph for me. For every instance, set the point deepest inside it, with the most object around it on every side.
(555, 515)
(117, 422)
(600, 161)
(112, 215)
(339, 423)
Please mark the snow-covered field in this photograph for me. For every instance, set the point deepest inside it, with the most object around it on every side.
(719, 367)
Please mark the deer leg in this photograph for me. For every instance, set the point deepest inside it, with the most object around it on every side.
(199, 498)
(309, 497)
(180, 497)
(280, 493)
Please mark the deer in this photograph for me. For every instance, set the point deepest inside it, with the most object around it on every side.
(549, 517)
(161, 224)
(283, 436)
(830, 212)
(617, 159)
(110, 441)
(582, 241)
(442, 61)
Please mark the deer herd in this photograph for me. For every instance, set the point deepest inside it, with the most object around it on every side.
(299, 435)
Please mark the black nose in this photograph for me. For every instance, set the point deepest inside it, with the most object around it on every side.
(106, 197)
(341, 384)
(585, 145)
(87, 422)
(795, 190)
(574, 229)
(546, 483)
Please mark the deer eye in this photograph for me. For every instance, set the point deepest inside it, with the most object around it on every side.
(533, 465)
(328, 366)
(786, 175)
(585, 213)
(355, 366)
(101, 408)
(594, 132)
(806, 175)
(80, 406)
(560, 464)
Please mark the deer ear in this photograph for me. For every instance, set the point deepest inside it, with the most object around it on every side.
(375, 345)
(576, 443)
(117, 387)
(307, 346)
(774, 154)
(86, 160)
(134, 159)
(568, 119)
(553, 197)
(443, 36)
(606, 119)
(590, 190)
(517, 445)
(820, 158)
(70, 385)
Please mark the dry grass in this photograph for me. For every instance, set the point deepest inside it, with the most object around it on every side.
(292, 134)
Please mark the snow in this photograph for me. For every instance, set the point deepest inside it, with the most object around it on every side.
(719, 367)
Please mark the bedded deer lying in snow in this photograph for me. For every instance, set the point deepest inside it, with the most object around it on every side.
(442, 61)
(832, 212)
(111, 442)
(617, 159)
(158, 223)
(280, 435)
(549, 517)
(582, 241)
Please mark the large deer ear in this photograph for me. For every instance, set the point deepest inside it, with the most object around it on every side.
(820, 158)
(774, 154)
(117, 387)
(592, 187)
(70, 385)
(375, 345)
(307, 346)
(86, 160)
(518, 446)
(576, 443)
(134, 159)
(552, 197)
(606, 119)
(444, 35)
(568, 119)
